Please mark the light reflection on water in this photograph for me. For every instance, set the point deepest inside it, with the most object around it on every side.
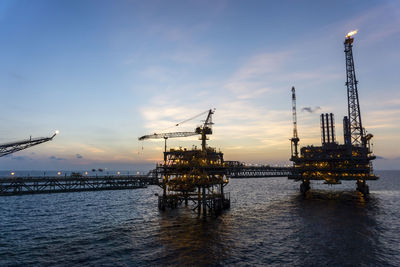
(269, 223)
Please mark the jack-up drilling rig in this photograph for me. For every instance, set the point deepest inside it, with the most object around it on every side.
(9, 148)
(333, 162)
(196, 175)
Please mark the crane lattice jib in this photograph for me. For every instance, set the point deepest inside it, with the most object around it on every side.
(8, 148)
(203, 130)
(167, 135)
(355, 125)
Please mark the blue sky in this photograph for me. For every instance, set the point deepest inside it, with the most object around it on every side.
(106, 72)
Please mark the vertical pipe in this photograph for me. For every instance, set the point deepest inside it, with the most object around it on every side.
(332, 128)
(327, 128)
(323, 128)
(346, 131)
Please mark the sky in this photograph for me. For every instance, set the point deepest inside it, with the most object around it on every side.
(104, 73)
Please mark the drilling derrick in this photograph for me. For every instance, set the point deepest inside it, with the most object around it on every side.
(195, 175)
(295, 139)
(353, 105)
(333, 162)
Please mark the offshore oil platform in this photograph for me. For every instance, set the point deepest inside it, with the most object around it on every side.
(196, 175)
(334, 162)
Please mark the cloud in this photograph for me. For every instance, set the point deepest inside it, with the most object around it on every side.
(375, 24)
(191, 54)
(247, 115)
(310, 109)
(56, 158)
(159, 73)
(78, 156)
(91, 148)
(247, 98)
(238, 123)
(21, 158)
(383, 118)
(257, 74)
(17, 76)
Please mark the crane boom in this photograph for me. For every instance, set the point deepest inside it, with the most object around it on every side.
(167, 135)
(8, 148)
(203, 130)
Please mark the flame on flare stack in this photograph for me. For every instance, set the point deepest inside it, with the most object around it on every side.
(351, 33)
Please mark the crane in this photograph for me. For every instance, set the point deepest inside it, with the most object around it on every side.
(295, 139)
(203, 130)
(8, 148)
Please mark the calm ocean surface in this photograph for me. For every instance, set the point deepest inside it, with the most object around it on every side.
(269, 223)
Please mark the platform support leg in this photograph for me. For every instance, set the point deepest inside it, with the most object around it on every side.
(362, 187)
(161, 202)
(305, 186)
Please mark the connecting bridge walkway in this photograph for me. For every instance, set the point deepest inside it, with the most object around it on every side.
(37, 185)
(258, 171)
(59, 184)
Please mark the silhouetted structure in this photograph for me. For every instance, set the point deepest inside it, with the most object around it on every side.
(333, 162)
(295, 139)
(8, 148)
(196, 175)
